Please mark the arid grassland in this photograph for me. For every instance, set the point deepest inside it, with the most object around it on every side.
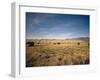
(54, 52)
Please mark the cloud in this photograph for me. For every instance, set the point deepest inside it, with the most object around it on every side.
(57, 36)
(38, 19)
(52, 36)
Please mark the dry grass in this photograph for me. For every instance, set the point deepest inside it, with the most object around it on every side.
(49, 54)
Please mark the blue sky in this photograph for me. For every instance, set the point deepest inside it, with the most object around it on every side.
(56, 26)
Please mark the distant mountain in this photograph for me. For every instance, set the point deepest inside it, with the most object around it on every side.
(82, 38)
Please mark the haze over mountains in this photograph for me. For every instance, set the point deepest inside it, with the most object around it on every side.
(82, 38)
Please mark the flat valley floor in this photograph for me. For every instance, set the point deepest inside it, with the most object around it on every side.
(53, 52)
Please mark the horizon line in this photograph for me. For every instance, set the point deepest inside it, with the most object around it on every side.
(59, 38)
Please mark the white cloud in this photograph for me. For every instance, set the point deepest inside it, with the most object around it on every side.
(51, 36)
(59, 36)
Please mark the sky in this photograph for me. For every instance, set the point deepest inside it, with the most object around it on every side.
(56, 26)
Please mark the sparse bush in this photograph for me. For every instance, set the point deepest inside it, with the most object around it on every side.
(54, 43)
(78, 43)
(30, 44)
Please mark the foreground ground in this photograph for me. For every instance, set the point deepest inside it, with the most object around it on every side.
(69, 53)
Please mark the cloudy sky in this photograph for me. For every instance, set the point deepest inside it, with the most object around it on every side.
(56, 26)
